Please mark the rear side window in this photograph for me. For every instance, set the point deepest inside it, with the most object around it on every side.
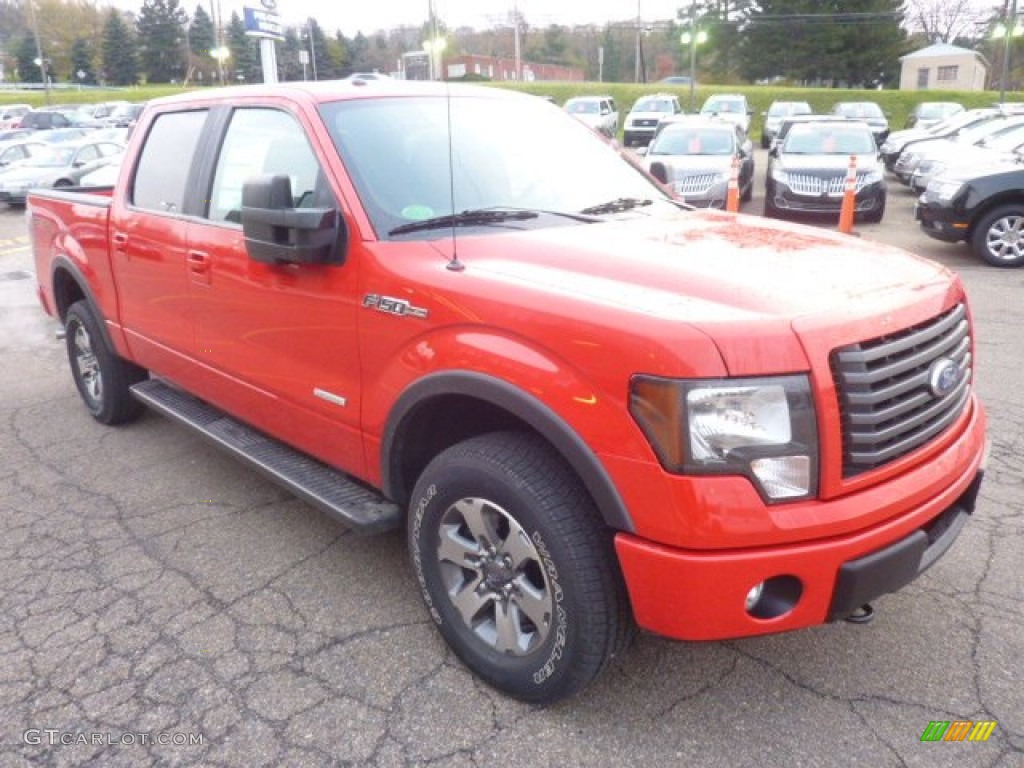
(162, 172)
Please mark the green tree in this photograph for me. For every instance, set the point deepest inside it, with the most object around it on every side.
(120, 59)
(25, 55)
(202, 37)
(855, 42)
(359, 54)
(83, 56)
(324, 67)
(161, 30)
(289, 65)
(245, 54)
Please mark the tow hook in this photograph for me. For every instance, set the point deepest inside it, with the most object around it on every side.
(862, 615)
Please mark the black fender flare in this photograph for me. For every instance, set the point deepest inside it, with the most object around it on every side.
(525, 407)
(63, 262)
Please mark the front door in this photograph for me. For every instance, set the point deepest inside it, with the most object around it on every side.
(280, 339)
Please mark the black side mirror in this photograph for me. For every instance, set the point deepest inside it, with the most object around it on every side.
(277, 232)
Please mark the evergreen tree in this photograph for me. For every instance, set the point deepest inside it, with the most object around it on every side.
(120, 60)
(339, 48)
(359, 54)
(202, 37)
(25, 54)
(82, 57)
(245, 53)
(853, 41)
(161, 30)
(289, 65)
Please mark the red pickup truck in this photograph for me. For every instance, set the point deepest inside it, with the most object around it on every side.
(457, 310)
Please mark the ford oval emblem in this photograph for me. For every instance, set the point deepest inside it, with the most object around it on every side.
(943, 377)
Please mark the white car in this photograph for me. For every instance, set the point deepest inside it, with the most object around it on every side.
(598, 112)
(729, 106)
(642, 120)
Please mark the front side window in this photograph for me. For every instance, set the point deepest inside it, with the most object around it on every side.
(500, 152)
(165, 162)
(258, 142)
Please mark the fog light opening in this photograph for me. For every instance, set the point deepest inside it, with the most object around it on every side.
(774, 597)
(753, 596)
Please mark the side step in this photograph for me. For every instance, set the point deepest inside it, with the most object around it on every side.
(355, 505)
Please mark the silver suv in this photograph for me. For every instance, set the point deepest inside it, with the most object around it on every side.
(729, 106)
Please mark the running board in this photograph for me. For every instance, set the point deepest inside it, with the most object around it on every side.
(356, 505)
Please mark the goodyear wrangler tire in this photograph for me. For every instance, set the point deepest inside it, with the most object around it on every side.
(516, 568)
(102, 378)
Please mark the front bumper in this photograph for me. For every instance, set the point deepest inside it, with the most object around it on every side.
(941, 222)
(13, 197)
(695, 595)
(869, 198)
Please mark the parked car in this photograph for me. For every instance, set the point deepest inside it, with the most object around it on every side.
(14, 152)
(677, 80)
(929, 113)
(647, 112)
(11, 114)
(912, 157)
(56, 165)
(729, 106)
(599, 112)
(808, 172)
(61, 135)
(695, 159)
(44, 120)
(985, 210)
(996, 149)
(868, 112)
(14, 134)
(124, 115)
(777, 112)
(787, 124)
(899, 141)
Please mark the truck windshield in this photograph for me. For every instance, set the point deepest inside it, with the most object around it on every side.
(509, 153)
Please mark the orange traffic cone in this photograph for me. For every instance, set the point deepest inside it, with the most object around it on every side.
(849, 197)
(732, 197)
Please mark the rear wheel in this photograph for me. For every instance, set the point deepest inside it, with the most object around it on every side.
(998, 237)
(516, 567)
(102, 378)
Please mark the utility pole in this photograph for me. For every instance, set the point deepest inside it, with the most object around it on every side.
(39, 50)
(218, 40)
(516, 42)
(638, 31)
(312, 46)
(1011, 25)
(693, 50)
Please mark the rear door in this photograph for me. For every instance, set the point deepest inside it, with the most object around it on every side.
(148, 243)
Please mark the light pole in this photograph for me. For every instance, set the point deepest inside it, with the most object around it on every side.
(312, 46)
(1009, 28)
(220, 54)
(39, 50)
(693, 38)
(434, 47)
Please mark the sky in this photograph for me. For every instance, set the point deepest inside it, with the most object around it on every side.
(368, 16)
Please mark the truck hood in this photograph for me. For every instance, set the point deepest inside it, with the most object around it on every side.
(750, 284)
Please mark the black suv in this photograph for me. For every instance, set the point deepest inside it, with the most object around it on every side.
(985, 209)
(44, 120)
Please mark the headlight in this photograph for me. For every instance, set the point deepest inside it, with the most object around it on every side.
(780, 175)
(912, 160)
(940, 189)
(762, 428)
(871, 177)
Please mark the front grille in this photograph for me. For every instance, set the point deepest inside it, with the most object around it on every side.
(888, 400)
(699, 184)
(807, 184)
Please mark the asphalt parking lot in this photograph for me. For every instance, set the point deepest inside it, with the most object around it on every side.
(154, 591)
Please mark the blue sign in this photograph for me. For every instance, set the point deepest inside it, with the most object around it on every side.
(263, 23)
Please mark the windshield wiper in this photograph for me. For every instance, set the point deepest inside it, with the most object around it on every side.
(618, 205)
(471, 218)
(484, 216)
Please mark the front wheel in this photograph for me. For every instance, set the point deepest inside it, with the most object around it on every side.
(516, 568)
(102, 378)
(998, 237)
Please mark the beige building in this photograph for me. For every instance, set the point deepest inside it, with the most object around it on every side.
(943, 67)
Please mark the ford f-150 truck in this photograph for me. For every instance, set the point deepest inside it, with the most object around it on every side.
(458, 311)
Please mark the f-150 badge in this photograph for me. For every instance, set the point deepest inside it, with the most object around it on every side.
(392, 306)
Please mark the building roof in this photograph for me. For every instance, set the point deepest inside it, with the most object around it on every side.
(941, 49)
